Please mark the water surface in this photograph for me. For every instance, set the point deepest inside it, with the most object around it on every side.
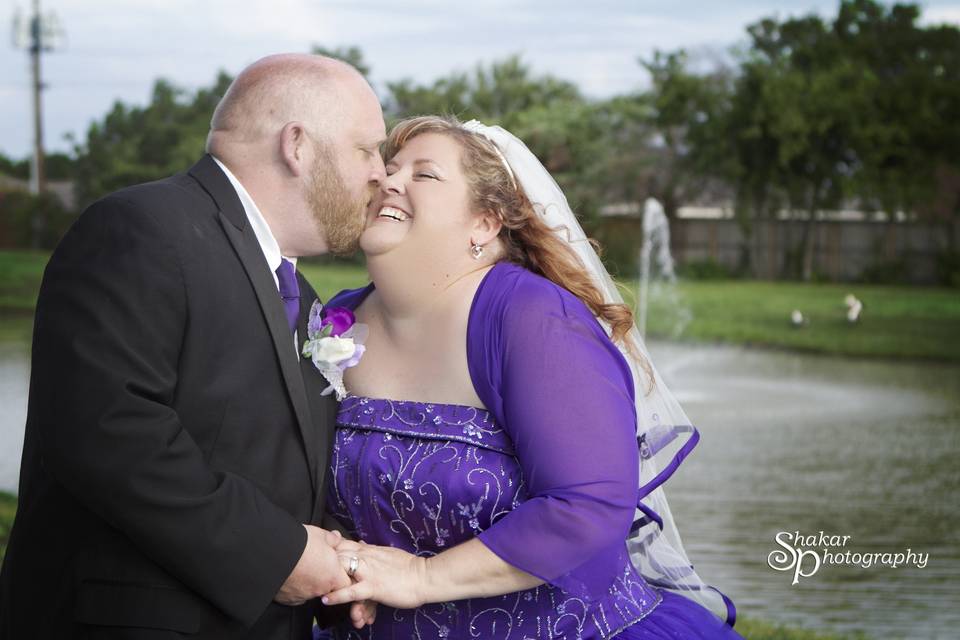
(789, 443)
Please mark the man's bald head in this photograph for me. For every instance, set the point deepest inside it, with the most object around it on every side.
(315, 90)
(301, 134)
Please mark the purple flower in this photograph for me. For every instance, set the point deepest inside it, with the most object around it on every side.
(335, 343)
(340, 318)
(315, 323)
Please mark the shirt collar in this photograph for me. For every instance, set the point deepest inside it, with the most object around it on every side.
(268, 243)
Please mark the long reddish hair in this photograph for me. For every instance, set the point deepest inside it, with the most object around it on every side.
(526, 238)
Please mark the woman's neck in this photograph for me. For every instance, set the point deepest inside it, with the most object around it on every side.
(415, 291)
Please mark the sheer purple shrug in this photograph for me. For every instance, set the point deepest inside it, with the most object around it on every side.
(549, 375)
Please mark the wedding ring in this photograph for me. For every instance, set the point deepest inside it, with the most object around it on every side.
(353, 566)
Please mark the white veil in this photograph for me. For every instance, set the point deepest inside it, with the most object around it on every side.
(664, 433)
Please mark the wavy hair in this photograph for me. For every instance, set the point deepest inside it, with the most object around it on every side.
(526, 238)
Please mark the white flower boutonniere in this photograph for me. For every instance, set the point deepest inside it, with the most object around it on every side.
(334, 343)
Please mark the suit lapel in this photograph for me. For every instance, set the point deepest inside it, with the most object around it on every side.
(322, 408)
(233, 219)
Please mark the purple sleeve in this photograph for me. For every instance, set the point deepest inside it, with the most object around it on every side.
(567, 403)
(349, 298)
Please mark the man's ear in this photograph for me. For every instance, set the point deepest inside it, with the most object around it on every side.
(294, 147)
(486, 227)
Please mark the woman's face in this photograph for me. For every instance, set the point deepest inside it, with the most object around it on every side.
(422, 208)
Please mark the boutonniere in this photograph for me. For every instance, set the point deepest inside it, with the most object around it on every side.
(334, 343)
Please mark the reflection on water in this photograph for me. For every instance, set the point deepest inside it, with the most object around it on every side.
(789, 443)
(14, 377)
(802, 443)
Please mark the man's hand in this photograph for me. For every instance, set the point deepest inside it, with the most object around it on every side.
(363, 613)
(318, 572)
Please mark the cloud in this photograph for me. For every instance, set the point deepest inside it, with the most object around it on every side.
(942, 15)
(117, 49)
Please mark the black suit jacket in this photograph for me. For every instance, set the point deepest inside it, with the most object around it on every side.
(174, 441)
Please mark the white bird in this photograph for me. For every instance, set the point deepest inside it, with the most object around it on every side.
(854, 308)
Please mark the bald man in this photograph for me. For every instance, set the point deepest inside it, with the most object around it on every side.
(173, 464)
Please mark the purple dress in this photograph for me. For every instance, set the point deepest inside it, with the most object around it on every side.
(546, 477)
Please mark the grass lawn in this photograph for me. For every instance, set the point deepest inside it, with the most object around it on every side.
(8, 507)
(760, 630)
(897, 321)
(328, 279)
(20, 275)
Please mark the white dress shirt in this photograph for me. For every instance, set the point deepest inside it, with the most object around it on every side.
(268, 243)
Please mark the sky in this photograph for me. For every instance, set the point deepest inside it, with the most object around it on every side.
(115, 49)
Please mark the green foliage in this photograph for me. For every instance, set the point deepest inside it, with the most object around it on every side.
(620, 239)
(351, 55)
(15, 168)
(594, 150)
(886, 272)
(332, 277)
(57, 166)
(898, 321)
(948, 268)
(22, 272)
(497, 94)
(8, 508)
(856, 109)
(683, 109)
(860, 108)
(706, 269)
(570, 135)
(29, 220)
(761, 630)
(139, 144)
(572, 141)
(908, 131)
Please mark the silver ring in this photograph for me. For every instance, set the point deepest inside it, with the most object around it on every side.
(353, 566)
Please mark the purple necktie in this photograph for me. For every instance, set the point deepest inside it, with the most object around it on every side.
(289, 292)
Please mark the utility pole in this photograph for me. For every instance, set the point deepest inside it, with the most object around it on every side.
(37, 35)
(38, 182)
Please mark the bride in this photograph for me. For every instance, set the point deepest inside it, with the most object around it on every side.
(487, 454)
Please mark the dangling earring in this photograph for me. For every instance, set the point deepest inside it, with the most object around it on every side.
(476, 250)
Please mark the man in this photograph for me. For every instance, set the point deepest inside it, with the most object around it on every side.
(175, 443)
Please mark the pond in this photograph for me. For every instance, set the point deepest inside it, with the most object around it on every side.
(790, 443)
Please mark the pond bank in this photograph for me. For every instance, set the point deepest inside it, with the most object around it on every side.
(898, 322)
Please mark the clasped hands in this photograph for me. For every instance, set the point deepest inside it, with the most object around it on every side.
(383, 574)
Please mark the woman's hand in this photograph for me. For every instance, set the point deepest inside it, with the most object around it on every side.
(384, 574)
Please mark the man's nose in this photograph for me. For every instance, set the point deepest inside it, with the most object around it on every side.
(379, 172)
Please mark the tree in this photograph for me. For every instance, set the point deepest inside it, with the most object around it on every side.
(549, 114)
(812, 102)
(58, 166)
(351, 55)
(909, 149)
(495, 94)
(685, 109)
(863, 108)
(139, 144)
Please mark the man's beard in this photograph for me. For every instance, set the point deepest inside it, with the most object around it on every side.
(340, 216)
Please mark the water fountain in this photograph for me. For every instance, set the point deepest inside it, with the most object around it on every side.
(656, 265)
